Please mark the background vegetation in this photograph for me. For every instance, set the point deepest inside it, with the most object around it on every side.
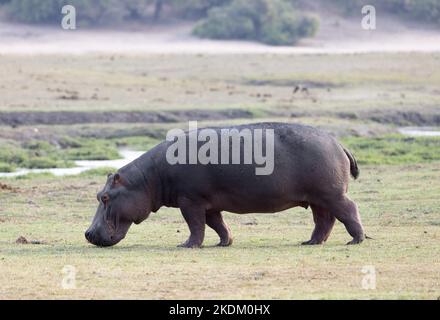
(275, 22)
(272, 22)
(421, 10)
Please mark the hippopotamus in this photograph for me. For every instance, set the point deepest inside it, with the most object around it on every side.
(310, 169)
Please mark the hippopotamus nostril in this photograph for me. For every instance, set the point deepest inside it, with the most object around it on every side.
(88, 235)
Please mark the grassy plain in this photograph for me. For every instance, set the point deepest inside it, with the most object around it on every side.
(362, 99)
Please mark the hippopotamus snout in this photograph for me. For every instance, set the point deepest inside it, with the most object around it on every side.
(96, 238)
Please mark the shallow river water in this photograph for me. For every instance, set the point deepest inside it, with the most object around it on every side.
(420, 131)
(127, 156)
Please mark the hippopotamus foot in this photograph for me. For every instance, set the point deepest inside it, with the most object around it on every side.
(190, 244)
(347, 212)
(355, 241)
(324, 222)
(214, 219)
(195, 217)
(311, 242)
(225, 242)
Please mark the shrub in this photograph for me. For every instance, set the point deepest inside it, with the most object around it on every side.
(34, 11)
(41, 163)
(424, 10)
(195, 9)
(12, 155)
(88, 12)
(224, 24)
(288, 29)
(92, 153)
(428, 10)
(6, 167)
(269, 21)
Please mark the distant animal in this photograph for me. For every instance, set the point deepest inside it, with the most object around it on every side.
(311, 169)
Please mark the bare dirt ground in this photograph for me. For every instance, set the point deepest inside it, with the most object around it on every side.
(336, 35)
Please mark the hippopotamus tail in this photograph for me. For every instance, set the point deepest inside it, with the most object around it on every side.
(354, 170)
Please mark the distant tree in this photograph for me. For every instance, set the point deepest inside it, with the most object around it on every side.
(103, 12)
(422, 10)
(273, 22)
(196, 9)
(158, 6)
(106, 12)
(428, 10)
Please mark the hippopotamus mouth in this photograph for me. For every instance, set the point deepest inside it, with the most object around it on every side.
(96, 240)
(121, 203)
(103, 233)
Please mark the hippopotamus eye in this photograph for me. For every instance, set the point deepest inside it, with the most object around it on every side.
(105, 198)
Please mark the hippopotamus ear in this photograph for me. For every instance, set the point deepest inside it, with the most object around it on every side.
(116, 178)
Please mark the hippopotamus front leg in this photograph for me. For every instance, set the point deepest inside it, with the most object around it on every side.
(324, 222)
(214, 219)
(195, 217)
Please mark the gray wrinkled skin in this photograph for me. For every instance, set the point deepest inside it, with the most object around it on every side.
(311, 169)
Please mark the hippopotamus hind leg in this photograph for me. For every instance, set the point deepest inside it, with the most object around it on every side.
(347, 212)
(214, 219)
(324, 222)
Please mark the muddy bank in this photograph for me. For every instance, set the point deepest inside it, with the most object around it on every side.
(65, 118)
(398, 118)
(402, 118)
(5, 187)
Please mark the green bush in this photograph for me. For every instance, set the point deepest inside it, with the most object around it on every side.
(37, 154)
(6, 167)
(88, 12)
(41, 163)
(288, 29)
(424, 10)
(34, 11)
(225, 24)
(428, 10)
(12, 155)
(273, 22)
(196, 9)
(92, 153)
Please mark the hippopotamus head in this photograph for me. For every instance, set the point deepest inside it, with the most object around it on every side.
(121, 202)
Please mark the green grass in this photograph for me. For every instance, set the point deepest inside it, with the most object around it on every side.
(397, 192)
(136, 142)
(394, 149)
(32, 176)
(43, 155)
(6, 167)
(265, 261)
(99, 172)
